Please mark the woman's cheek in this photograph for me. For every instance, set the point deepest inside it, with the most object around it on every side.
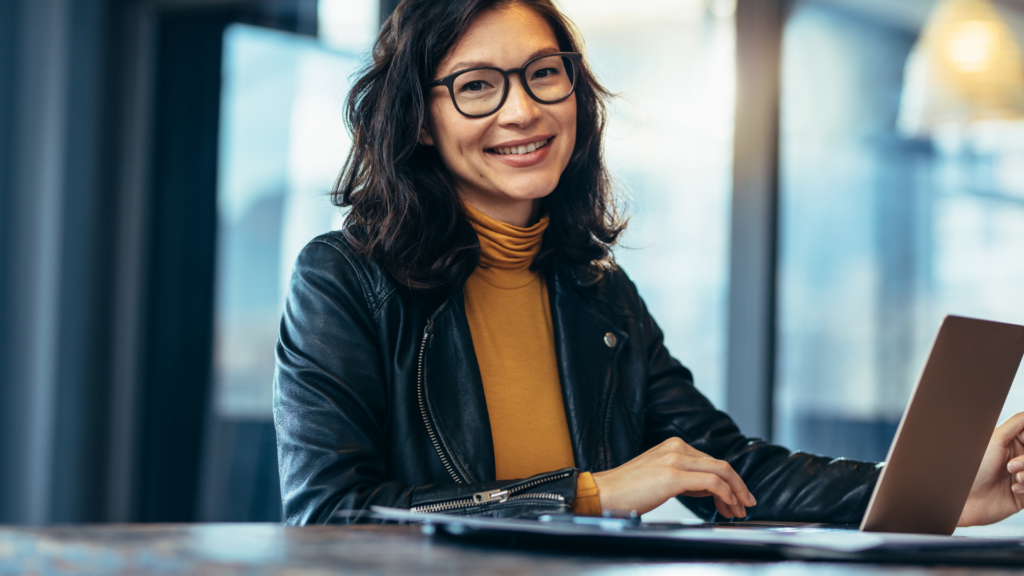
(570, 129)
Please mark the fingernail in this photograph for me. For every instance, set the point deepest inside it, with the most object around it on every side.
(753, 501)
(1015, 466)
(1018, 488)
(1020, 476)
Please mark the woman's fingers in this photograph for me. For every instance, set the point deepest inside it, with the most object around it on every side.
(708, 482)
(738, 511)
(724, 509)
(695, 460)
(724, 471)
(1016, 465)
(670, 469)
(728, 511)
(1016, 468)
(1010, 429)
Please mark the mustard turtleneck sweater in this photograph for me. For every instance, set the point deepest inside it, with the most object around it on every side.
(510, 321)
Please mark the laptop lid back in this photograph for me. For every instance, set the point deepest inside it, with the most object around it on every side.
(947, 425)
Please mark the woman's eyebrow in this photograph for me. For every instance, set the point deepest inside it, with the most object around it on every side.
(481, 64)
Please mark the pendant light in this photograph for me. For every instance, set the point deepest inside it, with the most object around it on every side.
(965, 67)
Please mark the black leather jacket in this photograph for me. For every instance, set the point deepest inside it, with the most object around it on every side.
(378, 401)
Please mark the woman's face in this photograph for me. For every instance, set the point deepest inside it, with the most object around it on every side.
(504, 186)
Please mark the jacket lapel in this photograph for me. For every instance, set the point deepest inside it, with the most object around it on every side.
(454, 393)
(586, 366)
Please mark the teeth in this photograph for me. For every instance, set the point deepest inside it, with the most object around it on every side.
(521, 149)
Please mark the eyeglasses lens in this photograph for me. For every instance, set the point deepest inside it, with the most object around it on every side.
(478, 92)
(550, 78)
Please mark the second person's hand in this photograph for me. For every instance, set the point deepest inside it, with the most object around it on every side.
(670, 469)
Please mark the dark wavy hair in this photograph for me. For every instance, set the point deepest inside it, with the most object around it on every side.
(405, 213)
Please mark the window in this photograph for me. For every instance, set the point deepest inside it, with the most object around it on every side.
(669, 146)
(283, 142)
(881, 236)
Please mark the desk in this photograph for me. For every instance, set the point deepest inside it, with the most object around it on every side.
(228, 549)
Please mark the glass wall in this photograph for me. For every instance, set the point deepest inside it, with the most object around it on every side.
(282, 144)
(669, 146)
(881, 235)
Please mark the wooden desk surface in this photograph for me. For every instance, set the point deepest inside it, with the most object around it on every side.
(228, 549)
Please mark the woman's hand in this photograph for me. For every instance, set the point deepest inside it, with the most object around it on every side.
(670, 469)
(998, 489)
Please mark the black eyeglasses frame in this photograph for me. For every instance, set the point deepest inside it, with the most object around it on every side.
(449, 81)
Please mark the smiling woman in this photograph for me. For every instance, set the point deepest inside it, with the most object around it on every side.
(467, 344)
(502, 58)
(515, 148)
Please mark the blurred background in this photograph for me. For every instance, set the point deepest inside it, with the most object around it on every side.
(813, 185)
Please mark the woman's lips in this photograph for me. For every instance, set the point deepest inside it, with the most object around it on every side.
(522, 160)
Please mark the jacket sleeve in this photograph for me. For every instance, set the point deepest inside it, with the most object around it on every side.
(789, 486)
(331, 406)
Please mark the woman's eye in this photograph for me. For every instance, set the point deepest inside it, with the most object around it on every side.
(474, 86)
(545, 73)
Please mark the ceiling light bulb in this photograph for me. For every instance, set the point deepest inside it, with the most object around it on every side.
(972, 46)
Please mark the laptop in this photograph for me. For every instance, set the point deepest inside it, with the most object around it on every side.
(947, 425)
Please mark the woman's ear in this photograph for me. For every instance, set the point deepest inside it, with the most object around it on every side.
(425, 138)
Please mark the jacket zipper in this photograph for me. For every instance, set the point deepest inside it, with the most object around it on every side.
(509, 493)
(423, 407)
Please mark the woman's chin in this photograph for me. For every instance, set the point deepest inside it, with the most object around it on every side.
(525, 186)
(522, 195)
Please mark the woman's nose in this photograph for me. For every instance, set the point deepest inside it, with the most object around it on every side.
(519, 109)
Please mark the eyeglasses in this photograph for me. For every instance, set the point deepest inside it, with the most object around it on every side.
(479, 92)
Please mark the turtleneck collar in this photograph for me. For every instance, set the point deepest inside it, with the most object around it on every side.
(506, 251)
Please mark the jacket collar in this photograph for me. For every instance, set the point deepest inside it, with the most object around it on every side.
(586, 356)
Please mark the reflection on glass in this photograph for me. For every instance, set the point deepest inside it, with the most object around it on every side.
(881, 236)
(282, 143)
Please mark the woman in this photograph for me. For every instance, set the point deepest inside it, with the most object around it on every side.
(466, 344)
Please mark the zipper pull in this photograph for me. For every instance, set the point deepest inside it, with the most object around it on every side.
(489, 496)
(428, 334)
